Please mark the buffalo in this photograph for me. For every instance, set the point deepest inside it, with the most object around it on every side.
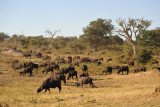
(67, 70)
(138, 69)
(49, 83)
(27, 70)
(71, 74)
(108, 70)
(59, 76)
(84, 80)
(123, 68)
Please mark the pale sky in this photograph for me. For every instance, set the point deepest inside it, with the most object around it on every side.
(33, 17)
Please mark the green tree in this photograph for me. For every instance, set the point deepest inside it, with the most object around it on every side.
(150, 39)
(131, 29)
(3, 36)
(97, 32)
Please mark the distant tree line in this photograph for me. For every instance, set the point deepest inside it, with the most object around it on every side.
(99, 34)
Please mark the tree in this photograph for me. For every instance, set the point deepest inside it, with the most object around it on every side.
(131, 29)
(52, 34)
(97, 32)
(150, 39)
(3, 36)
(117, 40)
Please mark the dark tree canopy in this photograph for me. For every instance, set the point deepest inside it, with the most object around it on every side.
(3, 36)
(97, 32)
(150, 39)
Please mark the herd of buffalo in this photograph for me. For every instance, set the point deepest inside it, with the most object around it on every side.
(54, 80)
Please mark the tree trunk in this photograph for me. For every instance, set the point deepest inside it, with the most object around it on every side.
(134, 49)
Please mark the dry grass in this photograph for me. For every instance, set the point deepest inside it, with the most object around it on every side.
(133, 90)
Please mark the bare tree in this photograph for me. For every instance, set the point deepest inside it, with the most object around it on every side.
(52, 34)
(131, 28)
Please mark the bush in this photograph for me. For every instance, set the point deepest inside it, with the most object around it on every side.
(144, 57)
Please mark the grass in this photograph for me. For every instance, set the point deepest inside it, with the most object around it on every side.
(133, 90)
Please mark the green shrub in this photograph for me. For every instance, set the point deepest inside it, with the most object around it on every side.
(144, 57)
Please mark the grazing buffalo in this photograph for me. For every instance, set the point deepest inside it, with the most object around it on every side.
(61, 61)
(67, 70)
(27, 55)
(123, 68)
(71, 74)
(108, 70)
(84, 68)
(155, 62)
(100, 59)
(84, 74)
(58, 76)
(27, 70)
(38, 55)
(94, 60)
(49, 83)
(85, 60)
(109, 59)
(46, 57)
(84, 80)
(138, 69)
(47, 69)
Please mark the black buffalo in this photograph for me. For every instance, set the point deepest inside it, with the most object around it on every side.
(49, 83)
(123, 68)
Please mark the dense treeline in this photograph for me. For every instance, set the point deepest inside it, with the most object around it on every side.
(59, 42)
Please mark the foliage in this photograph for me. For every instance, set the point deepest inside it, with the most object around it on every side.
(144, 57)
(131, 29)
(97, 32)
(3, 36)
(150, 39)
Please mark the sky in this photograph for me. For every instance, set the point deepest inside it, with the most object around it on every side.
(34, 17)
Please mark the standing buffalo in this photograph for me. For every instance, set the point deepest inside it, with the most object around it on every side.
(27, 70)
(84, 80)
(71, 74)
(67, 70)
(47, 69)
(123, 68)
(108, 70)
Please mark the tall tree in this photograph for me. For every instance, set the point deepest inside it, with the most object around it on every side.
(150, 39)
(97, 32)
(131, 28)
